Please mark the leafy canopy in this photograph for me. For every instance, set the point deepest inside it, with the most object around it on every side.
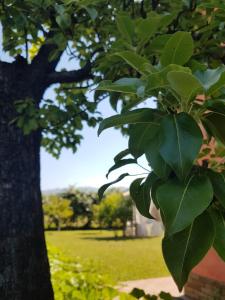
(35, 36)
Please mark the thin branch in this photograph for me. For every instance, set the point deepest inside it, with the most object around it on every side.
(143, 167)
(70, 76)
(69, 88)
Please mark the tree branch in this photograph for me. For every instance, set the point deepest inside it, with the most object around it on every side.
(41, 60)
(42, 57)
(71, 76)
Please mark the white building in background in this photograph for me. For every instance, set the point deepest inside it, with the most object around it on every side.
(146, 227)
(143, 227)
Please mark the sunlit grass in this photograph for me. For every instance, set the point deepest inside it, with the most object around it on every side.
(121, 259)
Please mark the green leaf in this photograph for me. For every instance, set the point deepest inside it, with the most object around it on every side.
(158, 43)
(141, 115)
(219, 224)
(137, 293)
(92, 12)
(178, 49)
(63, 20)
(105, 186)
(215, 119)
(126, 27)
(153, 156)
(184, 250)
(180, 203)
(218, 183)
(121, 155)
(146, 28)
(159, 79)
(181, 142)
(216, 87)
(121, 163)
(165, 296)
(154, 188)
(140, 193)
(140, 136)
(185, 85)
(113, 99)
(209, 77)
(123, 85)
(136, 61)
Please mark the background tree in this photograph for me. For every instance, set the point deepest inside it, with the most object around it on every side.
(82, 205)
(57, 211)
(114, 211)
(35, 36)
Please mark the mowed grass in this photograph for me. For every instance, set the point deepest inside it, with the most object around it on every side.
(120, 259)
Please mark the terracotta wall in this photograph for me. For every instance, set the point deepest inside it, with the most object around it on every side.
(207, 280)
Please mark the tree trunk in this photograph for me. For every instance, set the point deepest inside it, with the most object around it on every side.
(24, 268)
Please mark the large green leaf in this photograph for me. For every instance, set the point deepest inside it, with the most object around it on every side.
(215, 120)
(136, 61)
(126, 27)
(185, 85)
(178, 49)
(123, 85)
(218, 182)
(184, 250)
(121, 163)
(141, 115)
(140, 193)
(181, 142)
(104, 187)
(219, 224)
(157, 163)
(140, 135)
(180, 203)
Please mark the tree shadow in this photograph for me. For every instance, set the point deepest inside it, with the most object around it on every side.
(116, 239)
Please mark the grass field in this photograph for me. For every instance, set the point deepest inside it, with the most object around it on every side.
(121, 259)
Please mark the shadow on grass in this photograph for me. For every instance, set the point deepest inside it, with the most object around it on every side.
(120, 238)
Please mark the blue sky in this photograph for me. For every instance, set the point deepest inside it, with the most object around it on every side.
(88, 166)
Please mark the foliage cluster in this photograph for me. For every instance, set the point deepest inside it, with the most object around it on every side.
(180, 66)
(57, 211)
(74, 281)
(114, 211)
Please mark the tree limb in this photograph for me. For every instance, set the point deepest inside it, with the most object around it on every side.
(41, 60)
(71, 76)
(42, 57)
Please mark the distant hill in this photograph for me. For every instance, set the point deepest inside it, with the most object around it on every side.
(84, 189)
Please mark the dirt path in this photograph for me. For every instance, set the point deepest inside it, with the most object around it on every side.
(152, 286)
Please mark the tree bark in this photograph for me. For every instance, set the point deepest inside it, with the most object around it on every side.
(24, 267)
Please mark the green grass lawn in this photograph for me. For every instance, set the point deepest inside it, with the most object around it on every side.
(121, 259)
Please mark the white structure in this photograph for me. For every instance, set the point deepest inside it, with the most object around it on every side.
(143, 227)
(146, 227)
